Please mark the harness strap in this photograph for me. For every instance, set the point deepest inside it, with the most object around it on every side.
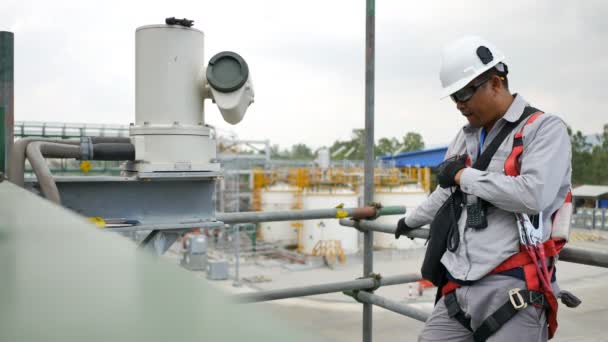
(454, 310)
(512, 164)
(521, 259)
(518, 300)
(533, 295)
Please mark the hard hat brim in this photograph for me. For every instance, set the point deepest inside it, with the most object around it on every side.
(454, 87)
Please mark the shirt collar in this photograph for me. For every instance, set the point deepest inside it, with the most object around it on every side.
(515, 110)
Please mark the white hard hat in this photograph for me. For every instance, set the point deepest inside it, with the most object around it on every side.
(465, 59)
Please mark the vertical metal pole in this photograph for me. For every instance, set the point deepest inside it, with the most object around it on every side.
(237, 238)
(3, 150)
(237, 242)
(7, 113)
(368, 189)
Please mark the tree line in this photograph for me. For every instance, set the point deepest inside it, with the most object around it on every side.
(353, 148)
(589, 159)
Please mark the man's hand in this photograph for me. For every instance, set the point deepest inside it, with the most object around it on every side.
(402, 228)
(446, 171)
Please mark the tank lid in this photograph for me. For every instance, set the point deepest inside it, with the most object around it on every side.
(181, 22)
(167, 27)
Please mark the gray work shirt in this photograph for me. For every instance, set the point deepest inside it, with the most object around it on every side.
(542, 185)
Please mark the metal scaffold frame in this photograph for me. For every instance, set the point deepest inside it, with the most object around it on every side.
(362, 289)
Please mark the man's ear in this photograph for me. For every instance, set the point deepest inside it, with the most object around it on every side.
(496, 84)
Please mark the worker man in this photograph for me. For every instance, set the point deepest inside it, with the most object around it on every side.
(484, 292)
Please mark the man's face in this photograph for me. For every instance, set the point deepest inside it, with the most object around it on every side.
(478, 107)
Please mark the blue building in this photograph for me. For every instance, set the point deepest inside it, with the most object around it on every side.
(422, 158)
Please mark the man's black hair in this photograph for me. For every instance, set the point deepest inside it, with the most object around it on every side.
(501, 70)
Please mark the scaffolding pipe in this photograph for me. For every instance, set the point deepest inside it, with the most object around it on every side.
(584, 256)
(368, 166)
(313, 214)
(166, 226)
(418, 233)
(569, 254)
(404, 309)
(358, 284)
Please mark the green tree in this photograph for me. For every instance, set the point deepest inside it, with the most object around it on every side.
(301, 152)
(581, 157)
(387, 146)
(412, 141)
(589, 163)
(277, 153)
(598, 167)
(353, 149)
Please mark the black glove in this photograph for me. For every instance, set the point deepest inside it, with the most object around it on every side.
(446, 171)
(402, 228)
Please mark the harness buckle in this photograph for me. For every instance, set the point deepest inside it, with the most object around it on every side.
(517, 300)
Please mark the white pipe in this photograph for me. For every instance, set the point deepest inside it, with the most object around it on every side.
(36, 152)
(16, 164)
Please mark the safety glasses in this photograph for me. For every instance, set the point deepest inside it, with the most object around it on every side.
(465, 94)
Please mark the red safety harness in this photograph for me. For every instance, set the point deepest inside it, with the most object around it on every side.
(537, 275)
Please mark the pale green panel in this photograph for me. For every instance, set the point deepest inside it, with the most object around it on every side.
(61, 279)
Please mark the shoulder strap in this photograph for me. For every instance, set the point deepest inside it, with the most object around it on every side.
(512, 165)
(484, 159)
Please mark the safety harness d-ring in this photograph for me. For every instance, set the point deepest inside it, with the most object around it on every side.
(517, 300)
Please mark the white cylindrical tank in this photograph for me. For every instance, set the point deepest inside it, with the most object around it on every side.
(169, 63)
(169, 132)
(410, 197)
(323, 158)
(328, 229)
(278, 198)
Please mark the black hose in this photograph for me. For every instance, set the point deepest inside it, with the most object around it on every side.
(113, 151)
(107, 140)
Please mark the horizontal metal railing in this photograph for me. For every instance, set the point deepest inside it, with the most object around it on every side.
(310, 290)
(313, 214)
(570, 254)
(362, 289)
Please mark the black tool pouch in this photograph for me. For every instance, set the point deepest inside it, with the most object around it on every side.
(444, 229)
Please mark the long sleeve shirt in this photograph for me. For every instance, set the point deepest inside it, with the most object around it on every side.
(541, 186)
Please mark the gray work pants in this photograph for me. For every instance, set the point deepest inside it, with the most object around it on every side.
(480, 301)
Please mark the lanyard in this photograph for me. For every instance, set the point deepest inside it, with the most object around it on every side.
(482, 139)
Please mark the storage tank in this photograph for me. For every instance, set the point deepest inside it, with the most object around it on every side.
(323, 158)
(278, 198)
(169, 111)
(410, 196)
(328, 229)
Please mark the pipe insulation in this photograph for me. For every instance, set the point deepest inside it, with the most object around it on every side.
(36, 152)
(16, 164)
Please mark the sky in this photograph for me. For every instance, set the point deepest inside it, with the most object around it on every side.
(74, 61)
